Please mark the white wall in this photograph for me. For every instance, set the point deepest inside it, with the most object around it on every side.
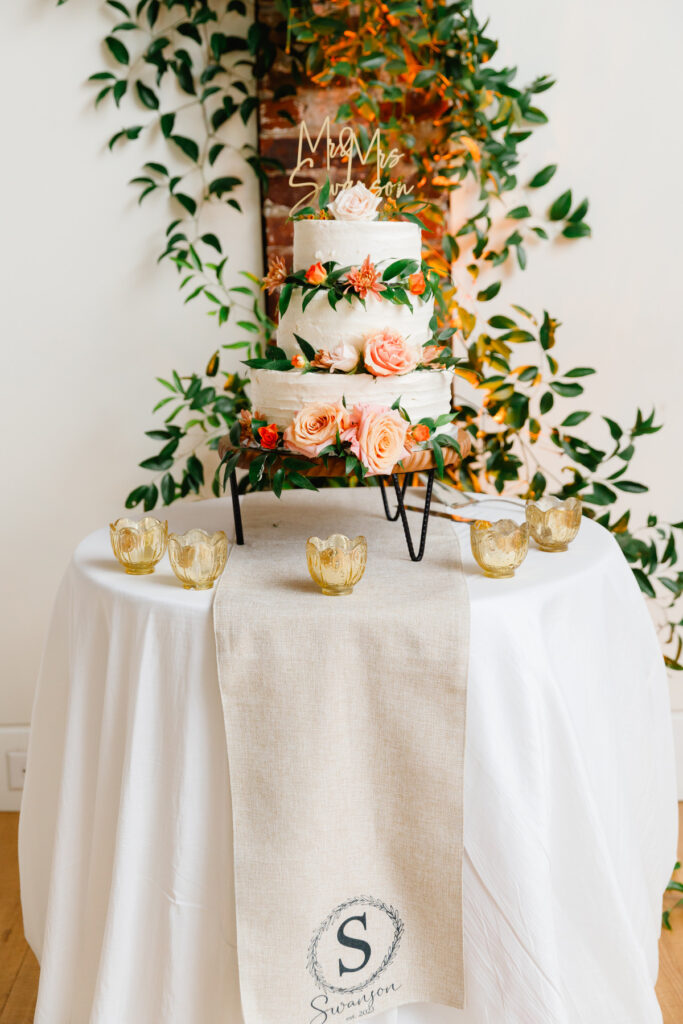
(613, 133)
(88, 319)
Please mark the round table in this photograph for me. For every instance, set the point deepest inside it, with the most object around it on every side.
(570, 804)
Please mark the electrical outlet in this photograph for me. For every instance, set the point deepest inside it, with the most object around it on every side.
(16, 768)
(13, 744)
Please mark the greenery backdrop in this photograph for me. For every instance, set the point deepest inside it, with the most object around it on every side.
(426, 74)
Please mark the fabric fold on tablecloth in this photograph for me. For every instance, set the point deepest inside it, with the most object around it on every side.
(345, 725)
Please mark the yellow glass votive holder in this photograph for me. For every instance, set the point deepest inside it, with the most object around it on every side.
(554, 523)
(336, 564)
(197, 557)
(500, 547)
(139, 545)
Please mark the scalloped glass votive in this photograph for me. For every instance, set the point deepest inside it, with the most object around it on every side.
(197, 557)
(336, 564)
(139, 544)
(554, 523)
(500, 547)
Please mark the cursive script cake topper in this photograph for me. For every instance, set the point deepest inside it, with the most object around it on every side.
(346, 147)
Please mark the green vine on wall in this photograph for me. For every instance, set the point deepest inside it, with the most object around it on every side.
(425, 74)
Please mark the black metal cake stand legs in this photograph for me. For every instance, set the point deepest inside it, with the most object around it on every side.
(401, 511)
(400, 490)
(393, 517)
(236, 511)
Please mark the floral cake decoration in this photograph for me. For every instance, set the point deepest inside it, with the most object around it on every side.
(372, 439)
(384, 353)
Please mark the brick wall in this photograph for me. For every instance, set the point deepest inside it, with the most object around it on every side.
(279, 121)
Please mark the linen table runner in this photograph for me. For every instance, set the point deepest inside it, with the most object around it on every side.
(345, 727)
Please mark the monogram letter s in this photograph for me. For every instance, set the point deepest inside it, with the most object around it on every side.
(347, 940)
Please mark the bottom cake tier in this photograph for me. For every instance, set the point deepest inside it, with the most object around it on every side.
(278, 396)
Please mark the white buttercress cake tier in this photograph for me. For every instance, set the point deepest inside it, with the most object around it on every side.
(278, 396)
(348, 324)
(348, 244)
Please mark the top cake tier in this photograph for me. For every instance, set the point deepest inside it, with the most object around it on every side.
(349, 242)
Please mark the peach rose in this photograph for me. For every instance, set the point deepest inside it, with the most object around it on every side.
(387, 353)
(417, 283)
(378, 437)
(315, 426)
(343, 358)
(355, 203)
(316, 274)
(432, 353)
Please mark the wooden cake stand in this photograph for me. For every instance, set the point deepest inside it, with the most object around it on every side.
(420, 461)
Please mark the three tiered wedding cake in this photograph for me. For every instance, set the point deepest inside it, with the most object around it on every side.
(354, 318)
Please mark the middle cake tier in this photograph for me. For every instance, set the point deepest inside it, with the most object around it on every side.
(350, 323)
(279, 396)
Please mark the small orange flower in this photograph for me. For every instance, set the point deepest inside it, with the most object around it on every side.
(417, 283)
(298, 361)
(268, 436)
(364, 279)
(277, 272)
(316, 274)
(420, 432)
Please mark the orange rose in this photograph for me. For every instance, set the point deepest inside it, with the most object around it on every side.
(316, 274)
(387, 353)
(268, 436)
(420, 432)
(315, 426)
(298, 361)
(417, 283)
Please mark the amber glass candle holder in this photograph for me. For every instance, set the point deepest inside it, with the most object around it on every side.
(500, 547)
(553, 523)
(336, 564)
(197, 557)
(139, 545)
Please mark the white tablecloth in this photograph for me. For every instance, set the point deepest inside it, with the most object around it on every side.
(570, 808)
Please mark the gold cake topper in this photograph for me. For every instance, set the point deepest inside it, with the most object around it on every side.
(347, 146)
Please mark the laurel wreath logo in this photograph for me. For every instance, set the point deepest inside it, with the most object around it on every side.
(313, 964)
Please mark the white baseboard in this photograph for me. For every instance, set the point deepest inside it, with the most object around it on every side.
(12, 738)
(677, 717)
(676, 692)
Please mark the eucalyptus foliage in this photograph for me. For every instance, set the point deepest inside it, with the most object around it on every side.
(424, 73)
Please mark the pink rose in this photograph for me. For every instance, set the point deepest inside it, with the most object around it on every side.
(378, 437)
(343, 358)
(387, 353)
(314, 427)
(355, 203)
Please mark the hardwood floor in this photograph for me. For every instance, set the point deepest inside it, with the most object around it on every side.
(18, 966)
(19, 969)
(670, 981)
